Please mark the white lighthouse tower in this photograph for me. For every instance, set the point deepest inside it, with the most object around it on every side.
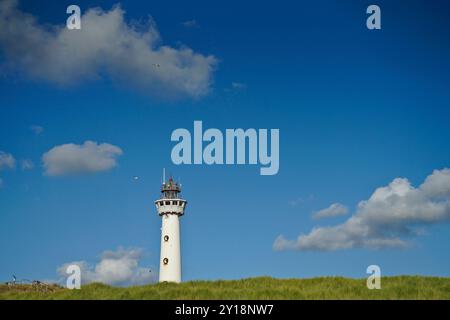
(170, 208)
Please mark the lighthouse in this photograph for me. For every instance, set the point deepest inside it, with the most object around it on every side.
(170, 208)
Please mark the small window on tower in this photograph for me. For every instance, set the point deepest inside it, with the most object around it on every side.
(166, 238)
(165, 261)
(167, 203)
(161, 203)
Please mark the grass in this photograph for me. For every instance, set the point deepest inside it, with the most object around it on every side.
(393, 288)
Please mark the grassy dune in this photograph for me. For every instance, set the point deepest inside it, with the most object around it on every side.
(403, 287)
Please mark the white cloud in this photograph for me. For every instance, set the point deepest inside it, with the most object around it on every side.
(118, 268)
(27, 164)
(71, 159)
(7, 161)
(334, 210)
(128, 53)
(37, 129)
(190, 24)
(387, 219)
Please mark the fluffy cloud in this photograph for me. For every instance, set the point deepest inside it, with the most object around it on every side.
(390, 216)
(118, 268)
(130, 54)
(71, 159)
(336, 209)
(190, 23)
(7, 161)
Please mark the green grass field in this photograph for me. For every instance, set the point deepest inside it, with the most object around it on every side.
(402, 287)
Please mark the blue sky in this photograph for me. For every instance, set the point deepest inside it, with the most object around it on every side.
(355, 108)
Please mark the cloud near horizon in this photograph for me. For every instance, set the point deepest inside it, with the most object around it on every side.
(116, 268)
(128, 53)
(334, 210)
(392, 214)
(72, 159)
